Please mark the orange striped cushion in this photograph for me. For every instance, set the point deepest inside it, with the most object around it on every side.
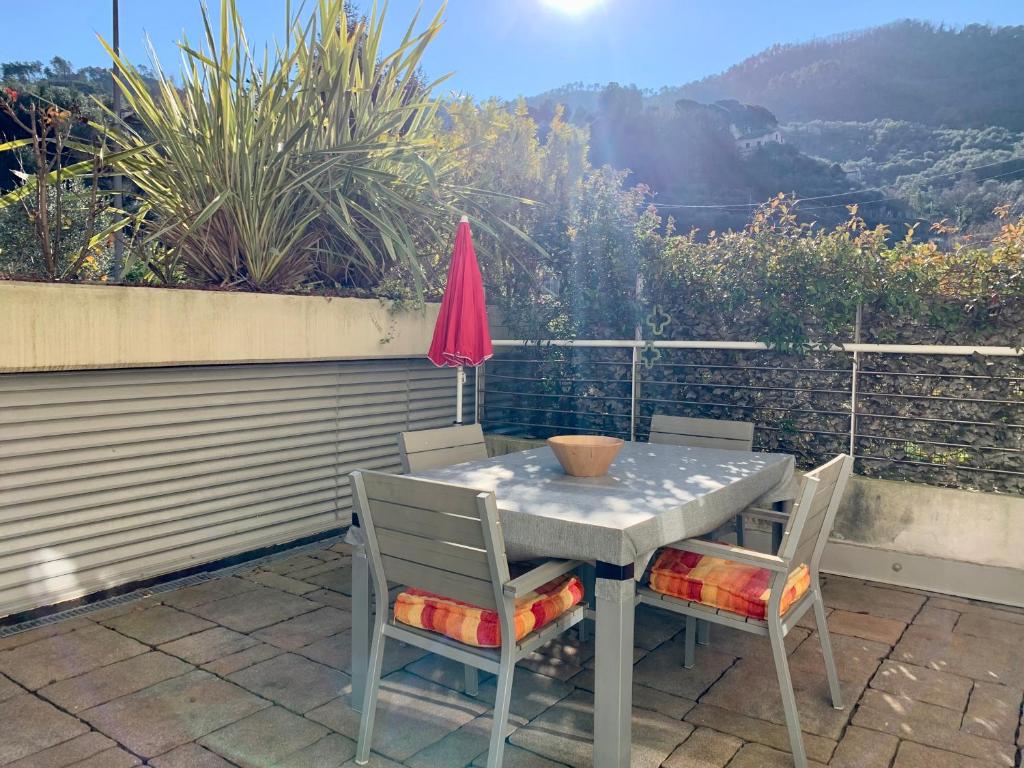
(478, 626)
(731, 586)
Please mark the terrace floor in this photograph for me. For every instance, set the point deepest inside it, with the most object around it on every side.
(246, 670)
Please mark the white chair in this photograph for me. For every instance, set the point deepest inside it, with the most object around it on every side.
(427, 449)
(678, 586)
(435, 448)
(719, 434)
(446, 539)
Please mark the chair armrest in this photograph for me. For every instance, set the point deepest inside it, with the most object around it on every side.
(736, 554)
(539, 576)
(767, 514)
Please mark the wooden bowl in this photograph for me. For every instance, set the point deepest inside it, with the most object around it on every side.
(585, 455)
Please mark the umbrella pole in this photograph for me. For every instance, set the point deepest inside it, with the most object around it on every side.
(460, 379)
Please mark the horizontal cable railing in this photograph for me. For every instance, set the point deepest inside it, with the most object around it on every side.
(945, 415)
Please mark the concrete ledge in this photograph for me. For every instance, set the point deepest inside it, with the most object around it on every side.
(935, 574)
(55, 327)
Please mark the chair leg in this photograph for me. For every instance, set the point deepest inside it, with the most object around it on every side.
(502, 699)
(472, 680)
(703, 632)
(739, 530)
(588, 575)
(796, 739)
(690, 643)
(826, 651)
(370, 695)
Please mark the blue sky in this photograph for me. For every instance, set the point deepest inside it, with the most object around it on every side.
(509, 47)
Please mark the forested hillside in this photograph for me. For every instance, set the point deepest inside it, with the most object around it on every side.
(961, 78)
(921, 122)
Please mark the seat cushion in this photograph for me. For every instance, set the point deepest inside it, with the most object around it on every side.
(726, 584)
(472, 625)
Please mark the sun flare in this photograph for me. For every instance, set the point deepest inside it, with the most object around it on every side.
(572, 7)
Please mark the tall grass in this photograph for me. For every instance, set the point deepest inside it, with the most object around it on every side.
(315, 161)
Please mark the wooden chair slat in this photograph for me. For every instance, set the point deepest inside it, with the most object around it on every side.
(429, 524)
(453, 585)
(463, 560)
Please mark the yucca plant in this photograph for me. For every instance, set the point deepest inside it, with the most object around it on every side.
(315, 160)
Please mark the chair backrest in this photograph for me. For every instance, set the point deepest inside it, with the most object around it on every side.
(435, 448)
(702, 433)
(814, 513)
(438, 537)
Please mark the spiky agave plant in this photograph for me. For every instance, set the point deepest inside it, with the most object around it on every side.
(317, 156)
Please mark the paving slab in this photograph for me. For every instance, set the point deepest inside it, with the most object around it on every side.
(288, 565)
(643, 697)
(331, 751)
(759, 731)
(994, 712)
(860, 748)
(31, 725)
(760, 756)
(987, 626)
(462, 746)
(264, 739)
(336, 651)
(752, 689)
(305, 629)
(565, 734)
(331, 598)
(67, 655)
(236, 662)
(334, 576)
(208, 645)
(663, 670)
(412, 714)
(9, 688)
(866, 626)
(927, 724)
(998, 612)
(292, 681)
(987, 660)
(283, 583)
(746, 645)
(912, 755)
(654, 626)
(856, 659)
(515, 757)
(70, 752)
(119, 679)
(939, 618)
(255, 609)
(156, 625)
(531, 693)
(111, 758)
(208, 592)
(159, 718)
(190, 755)
(704, 749)
(923, 684)
(849, 595)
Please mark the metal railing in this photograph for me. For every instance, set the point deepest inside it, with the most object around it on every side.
(946, 415)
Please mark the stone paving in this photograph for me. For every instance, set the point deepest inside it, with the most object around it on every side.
(252, 670)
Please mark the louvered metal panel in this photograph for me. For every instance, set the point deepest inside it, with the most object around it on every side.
(108, 477)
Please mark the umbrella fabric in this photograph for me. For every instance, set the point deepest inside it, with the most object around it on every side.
(462, 336)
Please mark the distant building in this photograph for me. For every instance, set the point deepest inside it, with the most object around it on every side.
(747, 143)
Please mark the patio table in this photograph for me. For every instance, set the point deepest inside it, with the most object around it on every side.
(653, 495)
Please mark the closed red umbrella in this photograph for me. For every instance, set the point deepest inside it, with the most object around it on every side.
(462, 336)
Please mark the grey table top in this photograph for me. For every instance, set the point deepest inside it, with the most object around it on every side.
(653, 495)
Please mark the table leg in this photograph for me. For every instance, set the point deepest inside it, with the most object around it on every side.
(361, 625)
(615, 595)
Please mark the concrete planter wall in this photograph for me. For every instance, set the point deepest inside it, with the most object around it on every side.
(143, 431)
(52, 327)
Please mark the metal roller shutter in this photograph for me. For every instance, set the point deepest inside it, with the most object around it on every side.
(111, 476)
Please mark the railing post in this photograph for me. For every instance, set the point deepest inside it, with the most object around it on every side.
(853, 383)
(634, 385)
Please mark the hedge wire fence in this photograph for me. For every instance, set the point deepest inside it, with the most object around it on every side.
(948, 416)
